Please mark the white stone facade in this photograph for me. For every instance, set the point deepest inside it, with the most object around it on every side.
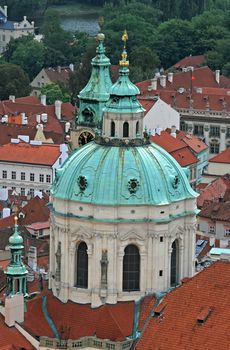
(13, 30)
(112, 229)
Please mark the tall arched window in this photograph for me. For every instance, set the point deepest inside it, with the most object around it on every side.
(82, 266)
(137, 128)
(112, 129)
(126, 129)
(175, 263)
(131, 269)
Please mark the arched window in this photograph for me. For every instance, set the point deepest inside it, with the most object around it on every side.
(175, 263)
(126, 129)
(82, 266)
(137, 128)
(131, 269)
(112, 129)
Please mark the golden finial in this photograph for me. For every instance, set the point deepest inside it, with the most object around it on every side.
(15, 220)
(124, 38)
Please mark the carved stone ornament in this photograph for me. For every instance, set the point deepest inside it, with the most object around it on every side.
(133, 185)
(82, 183)
(175, 181)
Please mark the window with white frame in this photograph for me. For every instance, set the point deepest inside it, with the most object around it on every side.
(23, 176)
(4, 174)
(41, 177)
(31, 192)
(48, 178)
(23, 191)
(31, 176)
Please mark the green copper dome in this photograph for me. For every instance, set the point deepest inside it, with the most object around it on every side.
(16, 240)
(121, 175)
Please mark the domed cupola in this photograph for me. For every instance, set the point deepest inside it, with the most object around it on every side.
(122, 211)
(123, 114)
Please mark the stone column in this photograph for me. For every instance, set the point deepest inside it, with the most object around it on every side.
(206, 133)
(112, 270)
(90, 263)
(149, 269)
(120, 270)
(143, 269)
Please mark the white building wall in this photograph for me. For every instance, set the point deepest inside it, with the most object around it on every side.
(218, 168)
(153, 240)
(161, 115)
(20, 28)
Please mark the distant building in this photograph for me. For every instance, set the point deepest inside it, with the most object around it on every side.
(50, 76)
(30, 167)
(11, 29)
(220, 164)
(159, 115)
(201, 97)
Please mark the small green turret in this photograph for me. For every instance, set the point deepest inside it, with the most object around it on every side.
(16, 271)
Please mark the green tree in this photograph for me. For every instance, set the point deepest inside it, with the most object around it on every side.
(53, 93)
(144, 63)
(30, 56)
(14, 81)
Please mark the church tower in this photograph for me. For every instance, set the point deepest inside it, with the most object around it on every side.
(16, 271)
(93, 97)
(123, 214)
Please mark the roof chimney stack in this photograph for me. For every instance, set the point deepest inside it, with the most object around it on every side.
(217, 76)
(71, 67)
(170, 77)
(154, 83)
(173, 131)
(12, 98)
(43, 100)
(58, 109)
(163, 80)
(59, 69)
(5, 11)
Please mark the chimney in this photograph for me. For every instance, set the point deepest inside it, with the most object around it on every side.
(38, 118)
(58, 109)
(170, 77)
(43, 100)
(5, 10)
(59, 69)
(12, 98)
(158, 130)
(24, 18)
(217, 72)
(67, 127)
(163, 80)
(173, 131)
(71, 67)
(14, 309)
(154, 83)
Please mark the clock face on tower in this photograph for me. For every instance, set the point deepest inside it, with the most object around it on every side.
(85, 137)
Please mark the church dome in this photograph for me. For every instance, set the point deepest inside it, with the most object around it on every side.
(121, 175)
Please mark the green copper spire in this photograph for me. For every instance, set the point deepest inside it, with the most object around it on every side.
(16, 271)
(123, 94)
(96, 93)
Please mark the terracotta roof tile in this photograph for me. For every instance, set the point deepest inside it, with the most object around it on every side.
(193, 61)
(45, 154)
(58, 74)
(216, 211)
(223, 157)
(177, 326)
(214, 190)
(10, 338)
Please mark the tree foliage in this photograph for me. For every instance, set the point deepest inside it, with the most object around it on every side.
(53, 93)
(14, 81)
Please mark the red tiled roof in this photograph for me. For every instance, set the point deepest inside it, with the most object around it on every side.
(168, 142)
(39, 225)
(193, 61)
(178, 326)
(146, 307)
(184, 157)
(194, 142)
(203, 77)
(214, 190)
(10, 338)
(223, 157)
(216, 211)
(176, 147)
(114, 322)
(35, 210)
(30, 154)
(58, 74)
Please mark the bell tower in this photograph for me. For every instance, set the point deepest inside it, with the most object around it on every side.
(93, 97)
